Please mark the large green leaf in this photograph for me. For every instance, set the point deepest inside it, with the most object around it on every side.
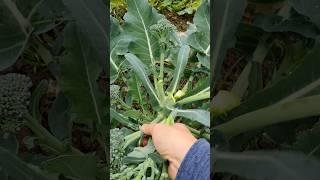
(139, 154)
(139, 69)
(135, 90)
(200, 40)
(16, 168)
(19, 19)
(267, 165)
(182, 61)
(80, 69)
(139, 18)
(118, 45)
(226, 17)
(44, 15)
(59, 119)
(13, 33)
(199, 115)
(73, 166)
(114, 115)
(308, 8)
(91, 17)
(276, 23)
(298, 83)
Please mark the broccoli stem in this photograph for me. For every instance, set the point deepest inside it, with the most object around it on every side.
(158, 118)
(164, 173)
(131, 138)
(126, 106)
(169, 121)
(160, 80)
(161, 65)
(48, 138)
(22, 21)
(181, 93)
(136, 135)
(198, 133)
(196, 97)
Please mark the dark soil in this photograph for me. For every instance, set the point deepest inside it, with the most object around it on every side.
(181, 22)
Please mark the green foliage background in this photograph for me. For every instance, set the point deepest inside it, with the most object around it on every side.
(264, 112)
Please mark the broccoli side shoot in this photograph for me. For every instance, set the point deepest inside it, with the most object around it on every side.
(114, 91)
(116, 150)
(14, 101)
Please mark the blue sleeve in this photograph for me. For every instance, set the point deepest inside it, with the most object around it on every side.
(196, 163)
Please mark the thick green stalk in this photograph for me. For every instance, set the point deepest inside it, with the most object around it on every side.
(114, 64)
(158, 118)
(196, 97)
(155, 79)
(170, 119)
(136, 135)
(123, 104)
(164, 173)
(160, 91)
(179, 94)
(198, 133)
(296, 109)
(160, 79)
(23, 22)
(131, 138)
(48, 138)
(161, 66)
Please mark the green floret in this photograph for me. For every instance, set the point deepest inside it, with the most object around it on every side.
(162, 31)
(163, 27)
(114, 91)
(116, 150)
(145, 171)
(14, 101)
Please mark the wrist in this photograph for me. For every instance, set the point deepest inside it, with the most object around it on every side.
(196, 163)
(183, 151)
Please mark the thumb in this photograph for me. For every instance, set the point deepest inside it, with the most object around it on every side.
(147, 128)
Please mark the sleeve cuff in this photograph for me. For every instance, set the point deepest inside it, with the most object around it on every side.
(196, 163)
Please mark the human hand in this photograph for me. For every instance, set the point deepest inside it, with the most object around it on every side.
(172, 143)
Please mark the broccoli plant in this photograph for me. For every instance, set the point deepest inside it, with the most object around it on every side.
(163, 81)
(15, 98)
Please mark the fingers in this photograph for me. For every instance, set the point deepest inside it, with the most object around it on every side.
(181, 126)
(172, 171)
(147, 129)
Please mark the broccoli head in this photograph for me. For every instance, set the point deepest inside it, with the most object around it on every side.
(162, 31)
(116, 150)
(14, 101)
